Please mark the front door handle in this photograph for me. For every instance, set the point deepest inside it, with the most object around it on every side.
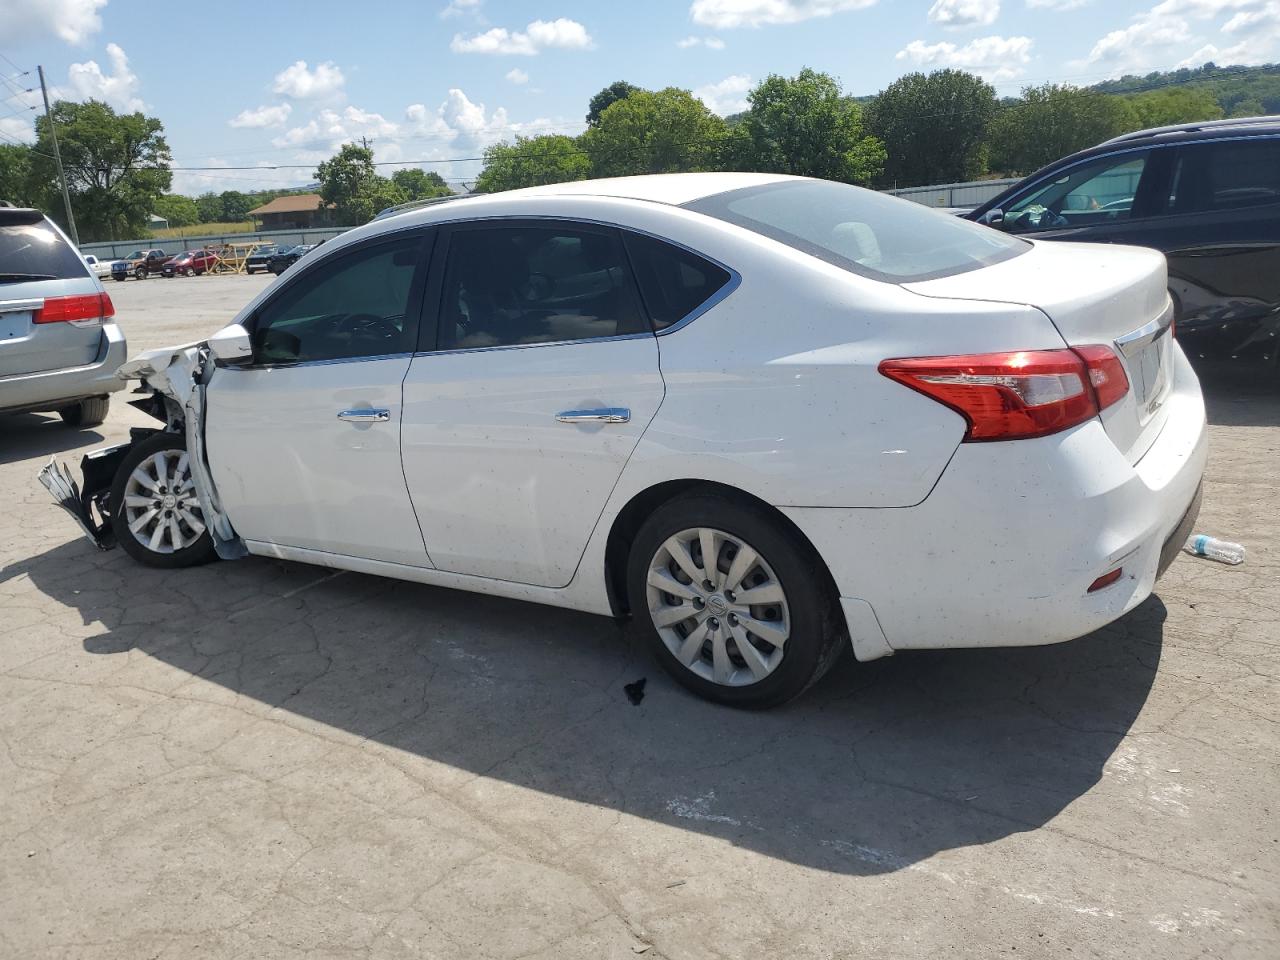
(601, 415)
(365, 416)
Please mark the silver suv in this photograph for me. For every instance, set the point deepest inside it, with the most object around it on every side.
(59, 344)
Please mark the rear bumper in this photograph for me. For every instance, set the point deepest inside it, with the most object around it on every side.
(1003, 551)
(51, 389)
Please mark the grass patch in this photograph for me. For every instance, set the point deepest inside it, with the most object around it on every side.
(202, 230)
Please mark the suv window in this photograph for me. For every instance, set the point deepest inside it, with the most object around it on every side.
(1098, 191)
(353, 305)
(34, 250)
(507, 285)
(1227, 175)
(674, 282)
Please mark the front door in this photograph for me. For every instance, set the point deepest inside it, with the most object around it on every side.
(523, 412)
(304, 443)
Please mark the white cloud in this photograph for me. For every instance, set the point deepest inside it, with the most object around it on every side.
(457, 8)
(74, 21)
(727, 14)
(21, 128)
(1060, 5)
(728, 96)
(330, 129)
(711, 43)
(996, 58)
(302, 83)
(964, 13)
(262, 117)
(561, 34)
(119, 88)
(1153, 37)
(517, 76)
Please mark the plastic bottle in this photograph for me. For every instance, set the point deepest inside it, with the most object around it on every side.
(1199, 545)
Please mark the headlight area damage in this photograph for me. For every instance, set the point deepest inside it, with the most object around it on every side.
(173, 391)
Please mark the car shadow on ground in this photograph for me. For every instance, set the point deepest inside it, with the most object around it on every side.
(877, 768)
(1240, 395)
(24, 436)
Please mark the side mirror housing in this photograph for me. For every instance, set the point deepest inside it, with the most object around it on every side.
(993, 218)
(231, 345)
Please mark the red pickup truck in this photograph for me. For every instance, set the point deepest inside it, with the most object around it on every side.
(189, 263)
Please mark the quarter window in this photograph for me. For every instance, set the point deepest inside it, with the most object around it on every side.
(673, 282)
(513, 285)
(1229, 175)
(349, 306)
(1100, 191)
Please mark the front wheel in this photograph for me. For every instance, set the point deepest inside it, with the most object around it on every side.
(736, 607)
(155, 513)
(140, 273)
(189, 272)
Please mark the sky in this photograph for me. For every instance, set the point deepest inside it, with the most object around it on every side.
(277, 86)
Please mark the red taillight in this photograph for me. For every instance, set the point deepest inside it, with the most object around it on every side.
(1106, 580)
(1106, 374)
(89, 306)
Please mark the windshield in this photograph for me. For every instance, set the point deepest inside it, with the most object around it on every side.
(34, 251)
(862, 231)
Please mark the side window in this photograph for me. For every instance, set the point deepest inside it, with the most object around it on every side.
(507, 285)
(1229, 175)
(354, 305)
(1099, 191)
(673, 282)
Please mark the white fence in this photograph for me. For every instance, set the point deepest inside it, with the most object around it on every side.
(971, 194)
(116, 249)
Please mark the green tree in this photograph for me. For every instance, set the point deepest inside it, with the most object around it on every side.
(117, 167)
(1052, 121)
(209, 208)
(802, 125)
(532, 161)
(349, 183)
(418, 184)
(235, 206)
(933, 127)
(1248, 107)
(180, 211)
(15, 174)
(1161, 108)
(662, 131)
(602, 101)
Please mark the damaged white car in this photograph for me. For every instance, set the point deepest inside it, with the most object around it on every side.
(769, 417)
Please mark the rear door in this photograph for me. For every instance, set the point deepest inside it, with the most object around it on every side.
(521, 413)
(37, 261)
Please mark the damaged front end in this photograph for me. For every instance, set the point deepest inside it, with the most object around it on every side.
(173, 391)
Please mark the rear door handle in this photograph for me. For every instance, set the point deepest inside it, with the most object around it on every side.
(365, 416)
(601, 415)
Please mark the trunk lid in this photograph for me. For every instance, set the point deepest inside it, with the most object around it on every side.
(1093, 294)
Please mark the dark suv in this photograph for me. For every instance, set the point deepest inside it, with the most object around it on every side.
(1207, 195)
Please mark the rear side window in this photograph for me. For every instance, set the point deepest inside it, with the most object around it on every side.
(1227, 175)
(674, 282)
(35, 251)
(862, 231)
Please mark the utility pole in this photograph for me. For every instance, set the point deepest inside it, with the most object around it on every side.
(57, 157)
(364, 142)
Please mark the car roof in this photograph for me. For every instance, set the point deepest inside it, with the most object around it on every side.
(1210, 128)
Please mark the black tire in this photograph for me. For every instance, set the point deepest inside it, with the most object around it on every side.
(817, 637)
(120, 279)
(86, 413)
(140, 273)
(201, 551)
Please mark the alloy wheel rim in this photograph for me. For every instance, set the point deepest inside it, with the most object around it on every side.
(718, 606)
(160, 503)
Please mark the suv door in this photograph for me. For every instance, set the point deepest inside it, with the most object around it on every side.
(304, 443)
(522, 410)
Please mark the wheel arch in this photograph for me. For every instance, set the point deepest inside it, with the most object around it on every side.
(642, 505)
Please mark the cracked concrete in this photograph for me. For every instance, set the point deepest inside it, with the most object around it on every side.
(261, 759)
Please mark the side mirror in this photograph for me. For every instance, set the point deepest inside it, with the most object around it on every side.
(993, 218)
(231, 345)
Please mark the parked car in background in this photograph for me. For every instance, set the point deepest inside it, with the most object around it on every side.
(288, 256)
(100, 268)
(140, 264)
(1206, 195)
(59, 344)
(872, 424)
(189, 263)
(260, 259)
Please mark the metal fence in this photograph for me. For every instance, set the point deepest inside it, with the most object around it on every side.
(971, 194)
(116, 249)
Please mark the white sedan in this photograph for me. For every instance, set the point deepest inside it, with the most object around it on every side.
(767, 417)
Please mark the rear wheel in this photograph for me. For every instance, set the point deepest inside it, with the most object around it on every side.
(155, 512)
(736, 607)
(86, 413)
(189, 272)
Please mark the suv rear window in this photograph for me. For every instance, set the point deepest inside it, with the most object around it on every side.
(862, 231)
(674, 282)
(30, 249)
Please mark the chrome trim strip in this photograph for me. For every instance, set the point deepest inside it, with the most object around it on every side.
(372, 415)
(601, 415)
(315, 363)
(1132, 342)
(14, 306)
(528, 346)
(735, 280)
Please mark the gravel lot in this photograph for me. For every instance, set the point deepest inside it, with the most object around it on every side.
(259, 759)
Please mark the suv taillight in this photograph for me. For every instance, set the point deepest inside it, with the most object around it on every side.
(89, 306)
(1012, 396)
